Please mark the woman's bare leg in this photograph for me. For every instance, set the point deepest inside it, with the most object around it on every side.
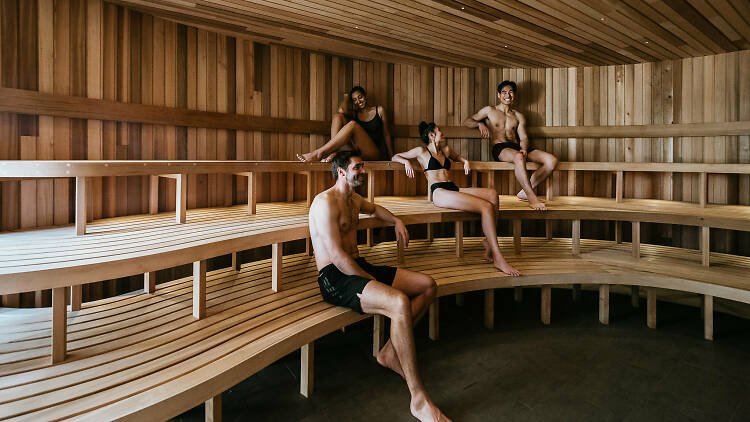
(467, 202)
(351, 136)
(489, 195)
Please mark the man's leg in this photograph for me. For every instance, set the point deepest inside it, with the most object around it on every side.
(547, 162)
(378, 298)
(512, 156)
(421, 290)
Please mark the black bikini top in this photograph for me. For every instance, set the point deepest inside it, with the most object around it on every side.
(434, 164)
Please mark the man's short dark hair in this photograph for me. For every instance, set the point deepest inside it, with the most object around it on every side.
(357, 88)
(341, 160)
(503, 84)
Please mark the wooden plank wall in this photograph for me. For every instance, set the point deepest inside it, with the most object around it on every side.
(101, 50)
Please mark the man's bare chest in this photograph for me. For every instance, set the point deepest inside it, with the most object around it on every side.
(348, 219)
(502, 121)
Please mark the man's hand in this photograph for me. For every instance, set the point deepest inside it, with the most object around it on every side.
(484, 130)
(409, 169)
(467, 168)
(401, 233)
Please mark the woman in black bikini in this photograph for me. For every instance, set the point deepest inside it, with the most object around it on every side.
(365, 128)
(447, 195)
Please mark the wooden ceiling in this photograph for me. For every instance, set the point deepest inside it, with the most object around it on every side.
(485, 33)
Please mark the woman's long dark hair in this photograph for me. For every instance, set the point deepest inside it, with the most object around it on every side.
(425, 129)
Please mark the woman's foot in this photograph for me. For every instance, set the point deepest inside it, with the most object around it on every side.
(502, 265)
(310, 157)
(388, 359)
(424, 410)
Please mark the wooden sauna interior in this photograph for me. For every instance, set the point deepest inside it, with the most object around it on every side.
(259, 80)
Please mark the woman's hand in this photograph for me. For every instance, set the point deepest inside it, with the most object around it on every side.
(409, 169)
(467, 168)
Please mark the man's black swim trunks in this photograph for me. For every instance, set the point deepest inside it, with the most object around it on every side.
(500, 146)
(342, 289)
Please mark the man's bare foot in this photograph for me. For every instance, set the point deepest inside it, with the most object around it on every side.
(522, 195)
(502, 265)
(309, 157)
(536, 204)
(424, 410)
(487, 251)
(387, 358)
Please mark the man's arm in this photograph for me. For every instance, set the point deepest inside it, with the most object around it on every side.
(384, 215)
(386, 134)
(477, 120)
(523, 138)
(325, 218)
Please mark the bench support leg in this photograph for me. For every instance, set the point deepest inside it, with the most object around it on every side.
(75, 298)
(518, 294)
(80, 216)
(576, 241)
(548, 229)
(430, 233)
(307, 369)
(400, 251)
(236, 262)
(434, 331)
(378, 334)
(576, 292)
(517, 236)
(251, 188)
(308, 247)
(636, 239)
(635, 296)
(546, 304)
(489, 308)
(181, 201)
(153, 194)
(59, 324)
(708, 317)
(651, 308)
(705, 246)
(199, 289)
(213, 409)
(618, 232)
(370, 238)
(604, 304)
(276, 266)
(149, 282)
(459, 239)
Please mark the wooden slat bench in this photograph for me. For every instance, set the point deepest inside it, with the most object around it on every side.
(142, 356)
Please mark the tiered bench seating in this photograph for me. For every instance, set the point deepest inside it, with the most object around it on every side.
(155, 353)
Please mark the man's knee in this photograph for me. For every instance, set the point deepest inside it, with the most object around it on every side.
(430, 290)
(399, 305)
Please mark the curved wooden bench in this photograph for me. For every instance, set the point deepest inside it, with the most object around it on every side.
(144, 356)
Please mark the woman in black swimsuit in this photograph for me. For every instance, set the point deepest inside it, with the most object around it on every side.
(435, 158)
(365, 129)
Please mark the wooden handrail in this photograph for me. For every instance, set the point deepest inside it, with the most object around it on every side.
(10, 170)
(36, 103)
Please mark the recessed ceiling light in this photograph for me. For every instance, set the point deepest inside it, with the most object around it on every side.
(646, 42)
(602, 18)
(356, 27)
(462, 8)
(505, 46)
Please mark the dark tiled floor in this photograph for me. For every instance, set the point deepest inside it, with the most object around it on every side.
(573, 370)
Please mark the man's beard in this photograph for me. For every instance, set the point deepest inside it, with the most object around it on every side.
(355, 180)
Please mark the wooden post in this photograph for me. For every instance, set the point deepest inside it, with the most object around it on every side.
(489, 308)
(181, 201)
(518, 294)
(576, 240)
(517, 236)
(491, 179)
(378, 334)
(618, 232)
(546, 304)
(153, 194)
(251, 193)
(59, 324)
(309, 247)
(705, 246)
(604, 304)
(75, 298)
(618, 186)
(576, 292)
(400, 251)
(430, 233)
(236, 264)
(703, 190)
(80, 206)
(548, 229)
(277, 256)
(307, 369)
(149, 282)
(459, 239)
(636, 239)
(213, 409)
(434, 329)
(309, 188)
(708, 317)
(635, 296)
(548, 187)
(199, 289)
(651, 307)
